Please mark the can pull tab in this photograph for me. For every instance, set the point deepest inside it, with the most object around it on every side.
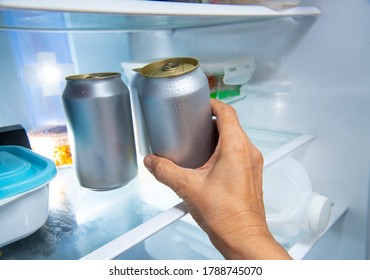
(171, 66)
(94, 76)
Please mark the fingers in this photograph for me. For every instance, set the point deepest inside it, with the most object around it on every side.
(168, 173)
(228, 126)
(226, 116)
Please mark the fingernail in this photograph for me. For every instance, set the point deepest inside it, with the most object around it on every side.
(148, 163)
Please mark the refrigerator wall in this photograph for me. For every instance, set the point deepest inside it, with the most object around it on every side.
(312, 77)
(332, 80)
(13, 106)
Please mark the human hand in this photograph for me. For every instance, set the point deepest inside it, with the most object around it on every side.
(224, 196)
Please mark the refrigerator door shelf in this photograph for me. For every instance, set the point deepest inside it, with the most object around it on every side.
(135, 15)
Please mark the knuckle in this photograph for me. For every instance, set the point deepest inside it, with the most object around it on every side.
(159, 170)
(230, 110)
(258, 158)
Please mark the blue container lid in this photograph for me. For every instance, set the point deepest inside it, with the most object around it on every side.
(22, 170)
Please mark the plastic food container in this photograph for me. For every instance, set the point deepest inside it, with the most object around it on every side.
(52, 142)
(24, 192)
(226, 77)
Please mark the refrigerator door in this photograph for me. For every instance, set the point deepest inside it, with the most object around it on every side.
(308, 98)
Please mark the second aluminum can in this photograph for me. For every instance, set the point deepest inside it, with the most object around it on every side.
(175, 101)
(98, 112)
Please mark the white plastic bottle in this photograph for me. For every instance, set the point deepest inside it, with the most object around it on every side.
(292, 207)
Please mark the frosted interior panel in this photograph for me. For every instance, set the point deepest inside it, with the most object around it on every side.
(13, 108)
(99, 51)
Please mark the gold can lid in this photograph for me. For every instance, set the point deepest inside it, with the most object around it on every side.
(94, 76)
(171, 67)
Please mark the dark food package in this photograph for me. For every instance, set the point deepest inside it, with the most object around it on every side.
(14, 135)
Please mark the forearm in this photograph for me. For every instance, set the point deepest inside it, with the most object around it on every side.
(242, 239)
(253, 248)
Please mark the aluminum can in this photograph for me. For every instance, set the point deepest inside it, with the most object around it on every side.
(175, 100)
(98, 113)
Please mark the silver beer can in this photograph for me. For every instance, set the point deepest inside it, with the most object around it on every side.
(99, 120)
(175, 100)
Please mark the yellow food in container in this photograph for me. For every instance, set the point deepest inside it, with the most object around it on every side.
(52, 142)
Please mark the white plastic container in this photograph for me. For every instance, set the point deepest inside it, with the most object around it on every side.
(292, 207)
(24, 192)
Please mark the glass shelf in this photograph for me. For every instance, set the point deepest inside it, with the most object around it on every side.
(103, 225)
(130, 15)
(184, 240)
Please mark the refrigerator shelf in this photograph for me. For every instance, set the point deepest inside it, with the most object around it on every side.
(103, 225)
(184, 239)
(131, 15)
(273, 145)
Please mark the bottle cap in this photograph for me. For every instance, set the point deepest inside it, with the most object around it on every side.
(318, 213)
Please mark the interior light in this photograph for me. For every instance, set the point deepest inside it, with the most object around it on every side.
(47, 73)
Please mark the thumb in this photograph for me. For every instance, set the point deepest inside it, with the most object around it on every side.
(168, 173)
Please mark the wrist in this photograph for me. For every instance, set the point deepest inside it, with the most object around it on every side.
(251, 240)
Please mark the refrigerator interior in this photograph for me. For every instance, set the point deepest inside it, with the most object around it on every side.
(311, 80)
